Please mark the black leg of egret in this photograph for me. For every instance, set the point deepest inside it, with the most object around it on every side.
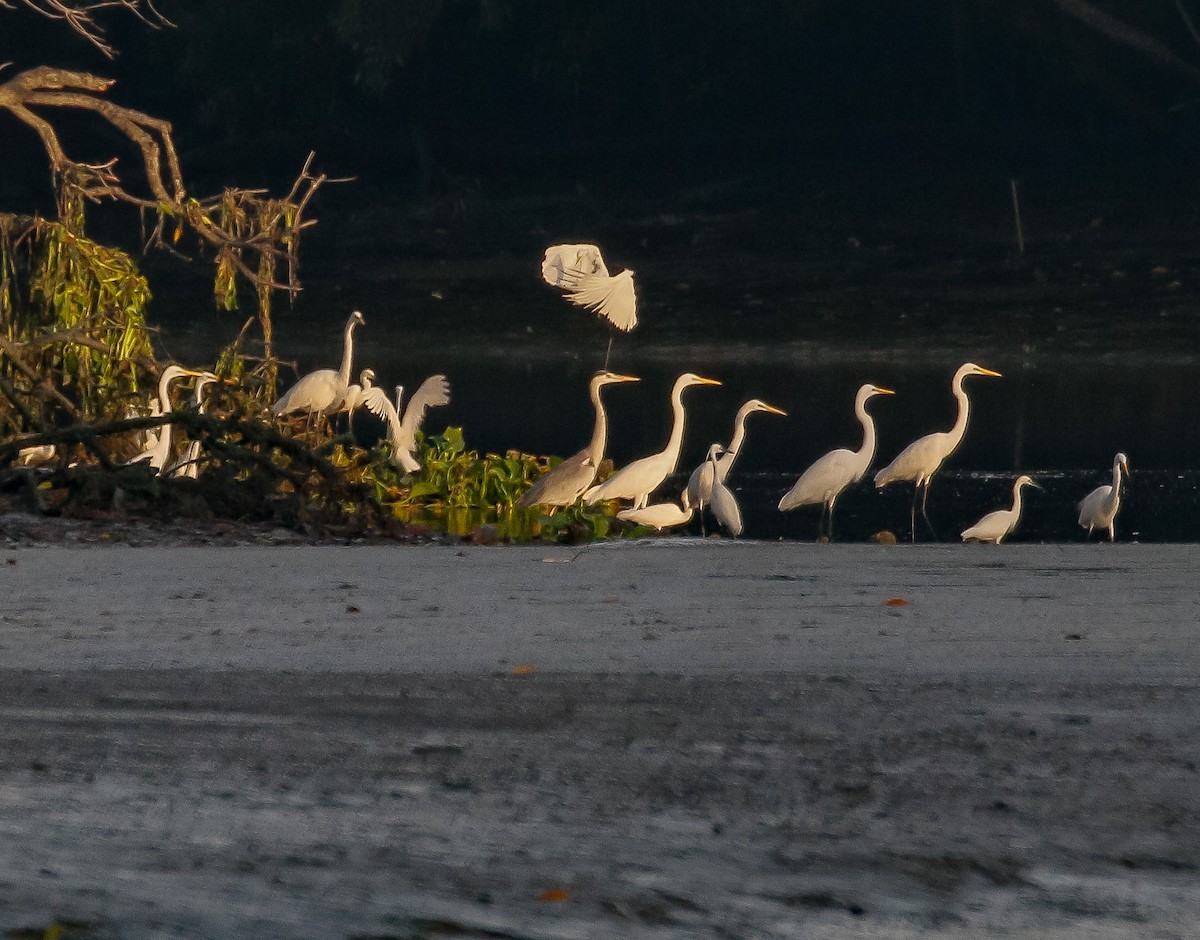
(608, 352)
(924, 510)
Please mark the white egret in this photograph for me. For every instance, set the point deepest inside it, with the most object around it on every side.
(638, 480)
(354, 395)
(699, 486)
(402, 431)
(188, 464)
(723, 504)
(157, 454)
(659, 516)
(580, 271)
(920, 460)
(825, 480)
(564, 484)
(37, 455)
(996, 525)
(318, 392)
(1098, 510)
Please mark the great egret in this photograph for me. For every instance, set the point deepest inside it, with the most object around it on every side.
(158, 453)
(723, 504)
(996, 525)
(579, 270)
(565, 483)
(699, 486)
(1098, 510)
(660, 515)
(318, 392)
(354, 395)
(638, 480)
(824, 481)
(402, 431)
(188, 464)
(920, 460)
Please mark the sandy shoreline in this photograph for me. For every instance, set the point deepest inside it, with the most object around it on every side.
(673, 740)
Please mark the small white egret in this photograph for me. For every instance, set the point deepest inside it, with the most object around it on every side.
(920, 460)
(699, 485)
(320, 392)
(188, 463)
(636, 481)
(564, 484)
(354, 395)
(580, 271)
(1098, 510)
(659, 516)
(996, 525)
(157, 454)
(722, 502)
(402, 431)
(825, 480)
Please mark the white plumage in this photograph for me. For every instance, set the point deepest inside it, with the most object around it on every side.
(723, 504)
(636, 481)
(824, 481)
(188, 464)
(996, 525)
(1098, 510)
(402, 432)
(699, 486)
(160, 450)
(322, 392)
(658, 516)
(580, 272)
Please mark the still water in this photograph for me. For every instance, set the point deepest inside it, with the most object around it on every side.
(519, 363)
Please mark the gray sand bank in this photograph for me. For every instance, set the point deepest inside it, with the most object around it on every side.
(672, 740)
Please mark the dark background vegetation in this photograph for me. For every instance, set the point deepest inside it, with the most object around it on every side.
(422, 97)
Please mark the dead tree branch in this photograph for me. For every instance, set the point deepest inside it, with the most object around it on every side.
(80, 16)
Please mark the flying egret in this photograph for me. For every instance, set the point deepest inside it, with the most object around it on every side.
(1098, 510)
(579, 270)
(402, 431)
(659, 516)
(638, 480)
(699, 486)
(564, 484)
(188, 464)
(996, 525)
(158, 453)
(920, 460)
(824, 481)
(723, 504)
(318, 392)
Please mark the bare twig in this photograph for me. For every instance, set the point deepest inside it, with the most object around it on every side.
(80, 16)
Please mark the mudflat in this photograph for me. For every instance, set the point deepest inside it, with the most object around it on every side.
(676, 738)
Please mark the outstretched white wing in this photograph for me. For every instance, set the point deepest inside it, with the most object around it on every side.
(563, 265)
(611, 297)
(434, 391)
(375, 400)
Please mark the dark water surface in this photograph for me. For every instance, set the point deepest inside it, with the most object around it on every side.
(1095, 332)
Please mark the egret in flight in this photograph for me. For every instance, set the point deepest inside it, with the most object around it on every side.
(996, 525)
(699, 485)
(402, 431)
(322, 392)
(920, 460)
(580, 271)
(1098, 510)
(564, 484)
(659, 516)
(638, 480)
(825, 480)
(722, 502)
(160, 450)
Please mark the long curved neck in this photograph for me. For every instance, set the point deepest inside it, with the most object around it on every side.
(600, 429)
(739, 432)
(1116, 476)
(964, 409)
(164, 394)
(347, 353)
(675, 444)
(1017, 487)
(866, 453)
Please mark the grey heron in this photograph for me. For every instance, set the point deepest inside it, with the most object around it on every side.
(829, 475)
(996, 525)
(564, 484)
(320, 392)
(699, 485)
(920, 460)
(1098, 510)
(636, 481)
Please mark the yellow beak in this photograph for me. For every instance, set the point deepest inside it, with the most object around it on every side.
(703, 381)
(983, 371)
